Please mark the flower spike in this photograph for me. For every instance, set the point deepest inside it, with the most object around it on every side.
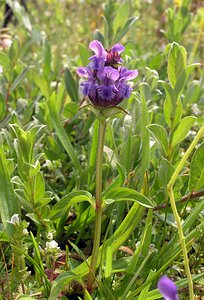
(106, 81)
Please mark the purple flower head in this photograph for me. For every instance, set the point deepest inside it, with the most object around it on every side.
(106, 82)
(168, 288)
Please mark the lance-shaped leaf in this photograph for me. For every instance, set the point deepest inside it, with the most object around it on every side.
(165, 172)
(183, 129)
(176, 62)
(160, 135)
(71, 85)
(61, 133)
(8, 201)
(126, 194)
(70, 199)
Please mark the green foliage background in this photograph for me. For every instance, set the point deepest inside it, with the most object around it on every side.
(48, 149)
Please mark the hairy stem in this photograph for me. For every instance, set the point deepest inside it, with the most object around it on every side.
(97, 233)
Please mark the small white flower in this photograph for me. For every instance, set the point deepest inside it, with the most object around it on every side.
(1, 69)
(15, 219)
(196, 109)
(25, 231)
(52, 245)
(50, 236)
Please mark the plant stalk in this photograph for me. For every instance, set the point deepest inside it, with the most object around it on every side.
(98, 208)
(182, 242)
(175, 212)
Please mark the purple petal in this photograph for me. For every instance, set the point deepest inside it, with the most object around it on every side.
(97, 48)
(81, 71)
(106, 92)
(167, 288)
(126, 74)
(117, 48)
(85, 88)
(108, 75)
(93, 92)
(124, 91)
(85, 72)
(96, 62)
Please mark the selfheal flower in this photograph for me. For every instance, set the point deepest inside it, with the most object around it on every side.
(168, 288)
(106, 81)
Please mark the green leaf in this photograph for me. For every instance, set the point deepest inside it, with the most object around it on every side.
(38, 187)
(70, 110)
(180, 83)
(121, 16)
(176, 62)
(87, 296)
(4, 237)
(2, 107)
(193, 94)
(169, 103)
(108, 260)
(8, 201)
(130, 269)
(5, 62)
(183, 129)
(178, 112)
(119, 180)
(196, 180)
(143, 294)
(93, 150)
(37, 252)
(18, 79)
(129, 23)
(194, 215)
(98, 36)
(71, 86)
(72, 198)
(160, 135)
(116, 240)
(145, 92)
(126, 194)
(59, 283)
(42, 83)
(166, 170)
(61, 133)
(47, 56)
(14, 51)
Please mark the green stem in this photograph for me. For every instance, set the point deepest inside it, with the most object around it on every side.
(175, 212)
(97, 233)
(182, 242)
